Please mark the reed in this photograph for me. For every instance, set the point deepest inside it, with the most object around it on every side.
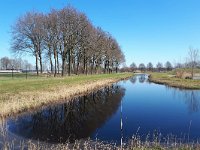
(135, 143)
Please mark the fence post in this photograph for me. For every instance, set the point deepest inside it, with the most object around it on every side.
(26, 72)
(12, 72)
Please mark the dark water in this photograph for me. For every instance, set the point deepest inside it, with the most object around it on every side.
(145, 108)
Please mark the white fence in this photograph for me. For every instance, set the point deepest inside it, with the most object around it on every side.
(10, 71)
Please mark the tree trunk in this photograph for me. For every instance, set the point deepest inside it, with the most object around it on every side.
(40, 58)
(117, 67)
(86, 68)
(92, 67)
(73, 60)
(55, 70)
(50, 60)
(192, 71)
(93, 63)
(64, 55)
(108, 67)
(105, 66)
(96, 66)
(58, 65)
(69, 64)
(63, 65)
(77, 66)
(55, 61)
(36, 63)
(112, 67)
(40, 62)
(84, 65)
(51, 65)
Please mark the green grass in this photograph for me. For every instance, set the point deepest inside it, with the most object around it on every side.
(188, 70)
(169, 79)
(20, 95)
(21, 84)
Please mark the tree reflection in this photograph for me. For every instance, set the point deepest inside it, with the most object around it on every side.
(76, 119)
(190, 97)
(142, 78)
(133, 80)
(192, 100)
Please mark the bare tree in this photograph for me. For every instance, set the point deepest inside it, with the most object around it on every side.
(85, 47)
(5, 63)
(193, 59)
(159, 66)
(178, 65)
(56, 41)
(69, 36)
(27, 36)
(168, 66)
(68, 17)
(133, 66)
(17, 64)
(142, 67)
(150, 66)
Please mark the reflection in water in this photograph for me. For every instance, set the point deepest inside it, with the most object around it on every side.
(190, 97)
(142, 78)
(74, 120)
(192, 101)
(133, 80)
(146, 108)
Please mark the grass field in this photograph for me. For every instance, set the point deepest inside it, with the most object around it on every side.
(185, 69)
(20, 94)
(169, 79)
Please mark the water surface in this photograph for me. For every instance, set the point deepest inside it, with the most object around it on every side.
(144, 108)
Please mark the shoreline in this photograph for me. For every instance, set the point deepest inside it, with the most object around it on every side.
(28, 101)
(166, 79)
(133, 143)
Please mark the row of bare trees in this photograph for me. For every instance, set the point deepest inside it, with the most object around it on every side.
(149, 67)
(68, 40)
(16, 64)
(191, 65)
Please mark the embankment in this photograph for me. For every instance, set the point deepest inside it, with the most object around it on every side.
(41, 93)
(170, 80)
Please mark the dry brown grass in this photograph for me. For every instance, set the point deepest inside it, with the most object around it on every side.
(12, 103)
(134, 143)
(10, 142)
(170, 80)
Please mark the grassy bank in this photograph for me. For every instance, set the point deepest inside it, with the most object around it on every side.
(171, 80)
(19, 95)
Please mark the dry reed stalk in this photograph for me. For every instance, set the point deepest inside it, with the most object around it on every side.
(25, 101)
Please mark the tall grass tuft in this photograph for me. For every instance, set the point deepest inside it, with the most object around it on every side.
(152, 142)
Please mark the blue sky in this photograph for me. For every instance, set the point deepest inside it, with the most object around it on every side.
(147, 30)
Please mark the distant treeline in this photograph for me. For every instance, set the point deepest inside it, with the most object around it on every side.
(14, 64)
(192, 61)
(68, 40)
(159, 66)
(149, 67)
